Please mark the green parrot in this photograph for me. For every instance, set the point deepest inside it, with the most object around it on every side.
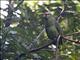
(52, 27)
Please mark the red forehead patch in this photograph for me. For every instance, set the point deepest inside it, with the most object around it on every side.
(46, 13)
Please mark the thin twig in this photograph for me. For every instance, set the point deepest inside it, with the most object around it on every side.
(57, 50)
(75, 41)
(39, 35)
(73, 33)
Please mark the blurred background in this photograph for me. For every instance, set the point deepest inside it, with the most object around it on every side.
(22, 25)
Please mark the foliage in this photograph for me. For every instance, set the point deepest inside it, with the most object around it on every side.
(20, 36)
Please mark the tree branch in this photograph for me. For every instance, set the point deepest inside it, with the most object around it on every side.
(44, 46)
(18, 5)
(49, 43)
(73, 33)
(75, 41)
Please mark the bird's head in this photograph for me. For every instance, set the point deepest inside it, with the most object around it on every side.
(46, 14)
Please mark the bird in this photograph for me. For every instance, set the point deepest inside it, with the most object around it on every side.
(52, 27)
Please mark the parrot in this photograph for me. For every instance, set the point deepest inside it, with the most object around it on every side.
(52, 27)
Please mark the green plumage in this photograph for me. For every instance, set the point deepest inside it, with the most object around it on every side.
(52, 28)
